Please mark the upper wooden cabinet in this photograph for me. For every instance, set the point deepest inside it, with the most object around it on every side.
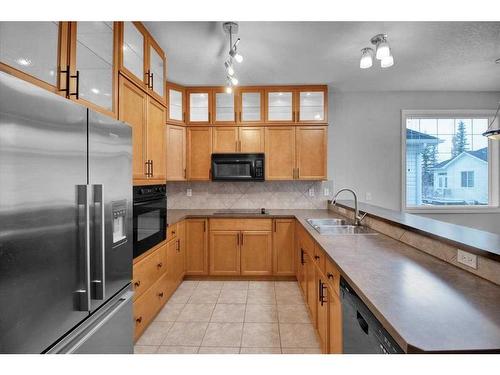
(250, 105)
(176, 104)
(92, 60)
(311, 151)
(176, 153)
(199, 105)
(199, 151)
(280, 105)
(35, 52)
(312, 105)
(280, 153)
(142, 60)
(147, 118)
(224, 107)
(238, 139)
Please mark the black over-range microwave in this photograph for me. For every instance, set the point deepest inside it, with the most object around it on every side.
(238, 167)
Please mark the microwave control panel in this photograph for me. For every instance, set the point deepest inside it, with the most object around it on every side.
(259, 168)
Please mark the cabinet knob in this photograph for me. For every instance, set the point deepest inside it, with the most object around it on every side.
(160, 294)
(316, 257)
(137, 283)
(138, 320)
(160, 265)
(329, 275)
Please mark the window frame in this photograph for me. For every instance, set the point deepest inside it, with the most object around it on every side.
(493, 162)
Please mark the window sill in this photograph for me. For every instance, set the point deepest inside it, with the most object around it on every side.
(452, 210)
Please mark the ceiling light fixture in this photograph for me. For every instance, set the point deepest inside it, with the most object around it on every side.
(366, 58)
(494, 133)
(231, 28)
(24, 62)
(382, 52)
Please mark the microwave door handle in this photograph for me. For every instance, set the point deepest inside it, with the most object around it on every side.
(252, 169)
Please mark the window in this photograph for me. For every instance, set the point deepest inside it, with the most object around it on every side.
(447, 162)
(467, 179)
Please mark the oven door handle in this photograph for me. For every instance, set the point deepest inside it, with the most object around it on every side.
(147, 202)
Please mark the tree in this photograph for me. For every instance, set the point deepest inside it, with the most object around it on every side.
(429, 160)
(459, 140)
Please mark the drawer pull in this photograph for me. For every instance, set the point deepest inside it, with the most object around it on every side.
(138, 320)
(137, 284)
(160, 294)
(329, 275)
(316, 257)
(160, 265)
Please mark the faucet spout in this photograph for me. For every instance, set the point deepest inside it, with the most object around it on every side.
(357, 217)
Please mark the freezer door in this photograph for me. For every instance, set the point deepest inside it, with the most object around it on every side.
(110, 178)
(108, 331)
(42, 227)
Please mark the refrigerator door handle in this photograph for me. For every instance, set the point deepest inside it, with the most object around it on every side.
(98, 282)
(84, 223)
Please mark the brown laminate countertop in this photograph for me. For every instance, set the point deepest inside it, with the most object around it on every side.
(426, 304)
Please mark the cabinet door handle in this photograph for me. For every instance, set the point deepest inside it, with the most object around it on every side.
(152, 80)
(138, 320)
(238, 240)
(204, 226)
(77, 92)
(240, 116)
(241, 239)
(147, 168)
(329, 275)
(240, 144)
(274, 225)
(66, 81)
(152, 170)
(183, 116)
(178, 246)
(160, 294)
(302, 256)
(159, 265)
(316, 257)
(184, 172)
(147, 74)
(137, 284)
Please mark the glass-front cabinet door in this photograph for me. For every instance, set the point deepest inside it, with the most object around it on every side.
(156, 70)
(280, 106)
(199, 106)
(92, 56)
(224, 104)
(133, 51)
(251, 108)
(176, 112)
(30, 50)
(311, 105)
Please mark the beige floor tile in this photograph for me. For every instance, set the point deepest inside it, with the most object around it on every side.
(186, 334)
(205, 296)
(145, 349)
(155, 333)
(288, 297)
(260, 351)
(218, 350)
(181, 296)
(210, 284)
(292, 286)
(177, 349)
(261, 314)
(196, 312)
(170, 312)
(261, 296)
(301, 350)
(293, 314)
(235, 285)
(261, 285)
(188, 284)
(261, 335)
(298, 335)
(223, 334)
(233, 296)
(228, 313)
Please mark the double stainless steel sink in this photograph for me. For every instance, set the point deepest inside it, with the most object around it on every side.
(338, 227)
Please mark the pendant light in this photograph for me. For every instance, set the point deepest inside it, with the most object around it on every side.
(494, 133)
(366, 58)
(383, 50)
(387, 62)
(231, 80)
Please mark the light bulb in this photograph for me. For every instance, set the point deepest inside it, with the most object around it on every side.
(387, 62)
(23, 61)
(229, 89)
(234, 80)
(383, 50)
(238, 57)
(366, 58)
(229, 67)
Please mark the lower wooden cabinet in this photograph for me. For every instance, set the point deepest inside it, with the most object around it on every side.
(312, 288)
(147, 271)
(196, 247)
(284, 247)
(256, 253)
(322, 312)
(225, 252)
(145, 309)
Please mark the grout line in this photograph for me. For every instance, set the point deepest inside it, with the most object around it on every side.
(278, 318)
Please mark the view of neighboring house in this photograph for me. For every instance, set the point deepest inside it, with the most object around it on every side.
(462, 179)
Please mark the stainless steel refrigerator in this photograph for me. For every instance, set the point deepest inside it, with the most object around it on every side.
(65, 225)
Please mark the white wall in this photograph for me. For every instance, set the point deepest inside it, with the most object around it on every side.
(365, 142)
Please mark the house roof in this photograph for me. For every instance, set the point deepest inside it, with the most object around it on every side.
(481, 154)
(413, 134)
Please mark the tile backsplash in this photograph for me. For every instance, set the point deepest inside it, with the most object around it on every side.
(231, 195)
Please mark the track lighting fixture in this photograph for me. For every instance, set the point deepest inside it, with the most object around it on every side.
(231, 28)
(382, 53)
(493, 133)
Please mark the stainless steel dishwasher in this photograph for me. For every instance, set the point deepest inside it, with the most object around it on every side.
(362, 332)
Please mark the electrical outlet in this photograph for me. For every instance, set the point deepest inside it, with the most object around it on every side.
(468, 259)
(326, 192)
(189, 192)
(311, 192)
(368, 196)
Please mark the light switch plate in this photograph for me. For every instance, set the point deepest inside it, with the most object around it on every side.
(468, 259)
(189, 192)
(311, 192)
(368, 196)
(326, 192)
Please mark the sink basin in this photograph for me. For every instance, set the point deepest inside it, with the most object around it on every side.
(338, 227)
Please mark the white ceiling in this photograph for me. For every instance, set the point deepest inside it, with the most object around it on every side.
(428, 55)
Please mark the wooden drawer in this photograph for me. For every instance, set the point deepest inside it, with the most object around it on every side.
(147, 271)
(171, 231)
(319, 257)
(241, 224)
(332, 275)
(145, 308)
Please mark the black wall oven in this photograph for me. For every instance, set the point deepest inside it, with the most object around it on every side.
(150, 217)
(238, 167)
